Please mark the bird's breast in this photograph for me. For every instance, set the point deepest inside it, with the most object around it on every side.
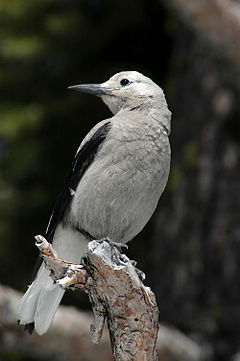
(120, 190)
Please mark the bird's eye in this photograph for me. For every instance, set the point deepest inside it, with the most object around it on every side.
(124, 82)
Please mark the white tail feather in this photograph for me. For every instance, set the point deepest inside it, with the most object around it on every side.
(47, 305)
(39, 304)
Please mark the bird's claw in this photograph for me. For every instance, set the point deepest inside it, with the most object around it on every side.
(118, 245)
(134, 263)
(116, 248)
(140, 274)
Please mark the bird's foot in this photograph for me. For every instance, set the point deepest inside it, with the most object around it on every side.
(140, 273)
(118, 245)
(117, 257)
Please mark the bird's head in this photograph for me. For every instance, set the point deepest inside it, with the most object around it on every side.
(130, 90)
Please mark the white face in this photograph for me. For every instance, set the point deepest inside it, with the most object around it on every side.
(130, 89)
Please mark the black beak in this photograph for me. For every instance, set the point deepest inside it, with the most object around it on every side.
(95, 89)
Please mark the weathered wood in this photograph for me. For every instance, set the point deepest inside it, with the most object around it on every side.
(68, 337)
(116, 294)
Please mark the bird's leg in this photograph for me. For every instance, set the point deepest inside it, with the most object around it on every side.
(116, 248)
(140, 273)
(118, 245)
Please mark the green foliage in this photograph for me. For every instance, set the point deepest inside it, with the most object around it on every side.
(33, 63)
(15, 356)
(190, 154)
(174, 178)
(15, 121)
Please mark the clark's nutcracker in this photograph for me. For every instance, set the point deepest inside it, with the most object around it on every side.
(117, 177)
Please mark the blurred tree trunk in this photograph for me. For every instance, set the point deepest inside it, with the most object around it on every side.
(217, 21)
(194, 248)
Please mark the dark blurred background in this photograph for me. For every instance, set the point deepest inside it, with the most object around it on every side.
(190, 249)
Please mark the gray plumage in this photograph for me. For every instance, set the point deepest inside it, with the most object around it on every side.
(118, 175)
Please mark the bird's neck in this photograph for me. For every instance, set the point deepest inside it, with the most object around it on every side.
(161, 114)
(163, 117)
(157, 109)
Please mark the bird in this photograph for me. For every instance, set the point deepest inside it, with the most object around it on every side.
(113, 186)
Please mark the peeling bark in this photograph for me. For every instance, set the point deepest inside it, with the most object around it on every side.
(116, 293)
(67, 338)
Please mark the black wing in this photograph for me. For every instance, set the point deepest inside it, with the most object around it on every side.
(81, 162)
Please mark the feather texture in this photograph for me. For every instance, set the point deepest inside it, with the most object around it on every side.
(116, 179)
(40, 302)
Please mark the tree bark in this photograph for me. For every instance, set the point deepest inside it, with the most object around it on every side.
(116, 294)
(67, 338)
(218, 21)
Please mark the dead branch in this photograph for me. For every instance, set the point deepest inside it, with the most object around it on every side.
(68, 337)
(116, 294)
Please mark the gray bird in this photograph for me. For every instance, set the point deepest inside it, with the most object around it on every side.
(117, 177)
